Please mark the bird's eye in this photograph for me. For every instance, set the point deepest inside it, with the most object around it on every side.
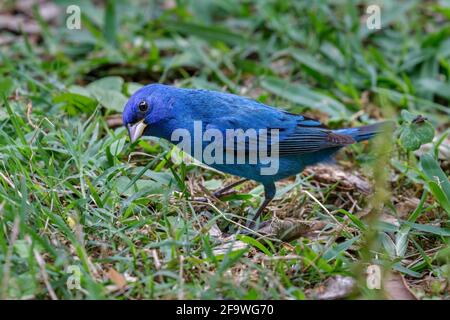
(143, 106)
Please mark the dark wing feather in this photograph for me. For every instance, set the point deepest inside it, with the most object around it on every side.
(311, 136)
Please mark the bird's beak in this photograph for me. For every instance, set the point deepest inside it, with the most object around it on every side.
(135, 131)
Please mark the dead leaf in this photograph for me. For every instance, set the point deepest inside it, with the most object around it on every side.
(389, 219)
(444, 148)
(395, 288)
(215, 232)
(334, 174)
(116, 277)
(337, 287)
(169, 4)
(47, 10)
(406, 206)
(6, 39)
(18, 23)
(290, 229)
(229, 246)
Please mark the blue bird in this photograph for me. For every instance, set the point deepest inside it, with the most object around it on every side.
(159, 110)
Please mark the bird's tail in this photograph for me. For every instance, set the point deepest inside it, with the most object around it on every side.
(366, 132)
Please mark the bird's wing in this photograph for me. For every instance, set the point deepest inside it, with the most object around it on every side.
(297, 134)
(307, 136)
(305, 140)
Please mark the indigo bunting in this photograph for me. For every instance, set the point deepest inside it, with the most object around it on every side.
(267, 138)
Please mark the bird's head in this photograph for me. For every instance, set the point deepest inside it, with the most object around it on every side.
(146, 107)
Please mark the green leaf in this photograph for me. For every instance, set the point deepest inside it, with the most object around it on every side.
(337, 249)
(110, 25)
(429, 229)
(132, 87)
(110, 99)
(22, 248)
(304, 96)
(107, 83)
(213, 184)
(405, 270)
(255, 243)
(311, 62)
(388, 245)
(401, 241)
(6, 87)
(408, 116)
(436, 180)
(415, 133)
(209, 33)
(117, 146)
(433, 171)
(74, 101)
(436, 87)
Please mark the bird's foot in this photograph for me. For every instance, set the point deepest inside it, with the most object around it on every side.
(219, 195)
(225, 191)
(200, 199)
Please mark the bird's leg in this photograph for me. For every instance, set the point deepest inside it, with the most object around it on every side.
(223, 190)
(261, 209)
(269, 194)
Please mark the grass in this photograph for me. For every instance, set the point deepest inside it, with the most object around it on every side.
(76, 195)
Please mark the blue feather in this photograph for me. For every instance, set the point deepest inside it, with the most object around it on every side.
(302, 141)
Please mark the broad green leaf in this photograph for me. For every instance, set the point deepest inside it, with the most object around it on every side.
(110, 99)
(437, 180)
(74, 101)
(408, 116)
(434, 172)
(445, 232)
(305, 96)
(132, 87)
(388, 245)
(401, 241)
(107, 83)
(117, 146)
(22, 248)
(439, 88)
(147, 186)
(414, 134)
(213, 184)
(313, 63)
(209, 33)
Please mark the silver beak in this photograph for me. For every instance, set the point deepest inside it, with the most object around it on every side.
(135, 131)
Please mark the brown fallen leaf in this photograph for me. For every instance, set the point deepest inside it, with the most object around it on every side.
(289, 229)
(395, 288)
(47, 10)
(389, 219)
(230, 245)
(116, 277)
(444, 148)
(6, 39)
(215, 231)
(406, 206)
(18, 23)
(337, 287)
(333, 174)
